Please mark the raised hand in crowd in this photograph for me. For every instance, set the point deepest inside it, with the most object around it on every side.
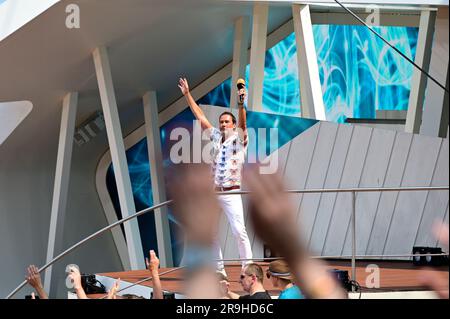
(197, 209)
(34, 280)
(431, 279)
(153, 266)
(75, 278)
(195, 203)
(274, 220)
(112, 293)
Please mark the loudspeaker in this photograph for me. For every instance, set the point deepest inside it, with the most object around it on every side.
(428, 260)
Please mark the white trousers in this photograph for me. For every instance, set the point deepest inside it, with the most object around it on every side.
(233, 209)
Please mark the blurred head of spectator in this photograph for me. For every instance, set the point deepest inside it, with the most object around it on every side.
(282, 278)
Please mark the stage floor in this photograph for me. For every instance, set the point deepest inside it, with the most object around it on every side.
(394, 276)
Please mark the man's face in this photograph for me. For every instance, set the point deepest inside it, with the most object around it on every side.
(246, 281)
(226, 123)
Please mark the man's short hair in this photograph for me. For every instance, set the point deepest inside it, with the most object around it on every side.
(254, 269)
(233, 118)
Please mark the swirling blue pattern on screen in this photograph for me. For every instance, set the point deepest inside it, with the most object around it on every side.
(359, 74)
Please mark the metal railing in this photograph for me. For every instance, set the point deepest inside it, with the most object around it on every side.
(353, 191)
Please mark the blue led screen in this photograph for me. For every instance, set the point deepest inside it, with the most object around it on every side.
(359, 74)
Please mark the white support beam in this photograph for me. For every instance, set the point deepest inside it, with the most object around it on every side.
(435, 111)
(419, 80)
(257, 56)
(240, 55)
(157, 178)
(108, 206)
(61, 185)
(308, 70)
(119, 160)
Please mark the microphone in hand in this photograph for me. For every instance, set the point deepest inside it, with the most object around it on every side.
(241, 90)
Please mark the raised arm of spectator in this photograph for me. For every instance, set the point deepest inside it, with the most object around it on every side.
(274, 220)
(153, 266)
(225, 287)
(75, 277)
(112, 293)
(437, 281)
(34, 280)
(198, 113)
(196, 207)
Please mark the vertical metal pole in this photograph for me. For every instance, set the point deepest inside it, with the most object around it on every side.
(353, 239)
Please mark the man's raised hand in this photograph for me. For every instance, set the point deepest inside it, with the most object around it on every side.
(183, 85)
